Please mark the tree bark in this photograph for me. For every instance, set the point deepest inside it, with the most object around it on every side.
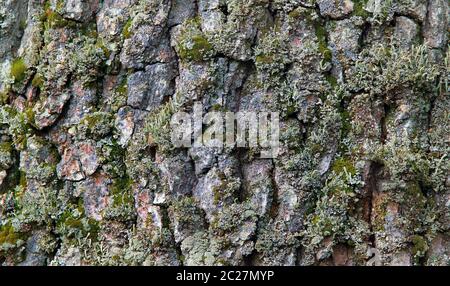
(89, 174)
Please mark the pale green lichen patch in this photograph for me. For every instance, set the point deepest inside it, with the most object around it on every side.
(383, 69)
(158, 128)
(332, 221)
(271, 54)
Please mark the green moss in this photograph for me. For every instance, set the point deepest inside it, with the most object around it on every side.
(420, 246)
(10, 237)
(122, 207)
(38, 81)
(415, 196)
(56, 21)
(74, 224)
(295, 14)
(121, 91)
(333, 216)
(60, 5)
(117, 152)
(121, 191)
(196, 48)
(100, 44)
(321, 34)
(218, 192)
(18, 70)
(6, 147)
(30, 114)
(385, 9)
(358, 8)
(92, 120)
(331, 80)
(346, 124)
(122, 88)
(126, 31)
(264, 59)
(4, 95)
(343, 163)
(22, 24)
(218, 107)
(7, 235)
(326, 226)
(53, 20)
(192, 43)
(47, 4)
(96, 125)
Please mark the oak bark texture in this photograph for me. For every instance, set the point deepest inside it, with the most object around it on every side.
(88, 175)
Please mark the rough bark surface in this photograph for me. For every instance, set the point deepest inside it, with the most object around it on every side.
(88, 175)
